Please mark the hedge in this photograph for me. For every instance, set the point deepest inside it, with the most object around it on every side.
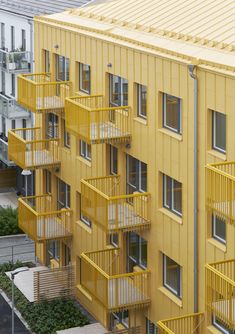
(9, 221)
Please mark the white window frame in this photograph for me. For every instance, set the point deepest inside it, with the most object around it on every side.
(149, 323)
(179, 128)
(55, 254)
(222, 329)
(85, 152)
(139, 100)
(112, 242)
(165, 204)
(219, 149)
(138, 261)
(112, 148)
(81, 88)
(121, 82)
(175, 292)
(85, 220)
(214, 235)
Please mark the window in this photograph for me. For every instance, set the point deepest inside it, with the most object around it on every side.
(23, 37)
(63, 195)
(85, 150)
(13, 85)
(219, 228)
(3, 82)
(220, 325)
(4, 125)
(3, 36)
(172, 195)
(141, 101)
(120, 318)
(137, 251)
(118, 91)
(62, 68)
(219, 131)
(136, 175)
(54, 249)
(24, 126)
(172, 276)
(13, 123)
(12, 38)
(113, 160)
(84, 78)
(48, 181)
(151, 328)
(114, 239)
(172, 113)
(66, 136)
(52, 125)
(46, 61)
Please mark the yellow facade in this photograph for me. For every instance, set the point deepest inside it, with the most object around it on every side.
(110, 42)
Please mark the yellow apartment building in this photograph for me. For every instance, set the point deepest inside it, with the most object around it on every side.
(134, 159)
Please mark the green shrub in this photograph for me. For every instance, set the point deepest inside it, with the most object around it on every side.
(9, 221)
(45, 317)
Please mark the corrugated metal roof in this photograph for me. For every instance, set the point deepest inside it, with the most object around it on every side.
(31, 8)
(208, 22)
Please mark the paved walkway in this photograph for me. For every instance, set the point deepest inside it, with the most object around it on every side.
(88, 329)
(24, 282)
(13, 248)
(5, 320)
(9, 199)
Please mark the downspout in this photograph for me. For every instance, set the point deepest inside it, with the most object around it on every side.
(191, 69)
(30, 22)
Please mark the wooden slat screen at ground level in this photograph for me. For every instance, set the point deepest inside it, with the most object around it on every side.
(54, 283)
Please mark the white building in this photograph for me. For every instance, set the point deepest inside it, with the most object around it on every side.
(16, 56)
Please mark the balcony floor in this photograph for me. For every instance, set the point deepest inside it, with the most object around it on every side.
(39, 158)
(50, 228)
(102, 131)
(121, 216)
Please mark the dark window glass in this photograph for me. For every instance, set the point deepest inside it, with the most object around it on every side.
(84, 78)
(219, 131)
(219, 228)
(142, 101)
(172, 275)
(172, 113)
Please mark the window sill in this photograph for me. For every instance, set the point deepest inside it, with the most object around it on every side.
(172, 134)
(171, 296)
(84, 292)
(85, 161)
(141, 120)
(218, 244)
(172, 215)
(84, 226)
(81, 93)
(218, 155)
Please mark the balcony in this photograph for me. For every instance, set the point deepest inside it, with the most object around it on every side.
(39, 219)
(192, 323)
(39, 93)
(15, 61)
(4, 153)
(104, 202)
(103, 276)
(29, 150)
(221, 190)
(10, 109)
(131, 330)
(220, 292)
(91, 119)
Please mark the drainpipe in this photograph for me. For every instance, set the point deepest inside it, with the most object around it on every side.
(30, 22)
(191, 69)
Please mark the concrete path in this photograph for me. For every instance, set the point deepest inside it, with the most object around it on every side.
(24, 282)
(96, 328)
(5, 320)
(9, 199)
(13, 248)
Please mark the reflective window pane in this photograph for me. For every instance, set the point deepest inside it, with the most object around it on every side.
(172, 275)
(85, 78)
(219, 228)
(171, 113)
(219, 131)
(177, 196)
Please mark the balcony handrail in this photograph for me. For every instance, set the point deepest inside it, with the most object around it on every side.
(7, 98)
(41, 140)
(24, 76)
(12, 51)
(183, 317)
(86, 258)
(25, 129)
(3, 141)
(217, 272)
(112, 198)
(162, 323)
(213, 168)
(108, 108)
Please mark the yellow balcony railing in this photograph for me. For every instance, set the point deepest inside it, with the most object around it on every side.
(104, 277)
(29, 150)
(220, 292)
(91, 119)
(39, 219)
(221, 190)
(38, 92)
(188, 324)
(104, 203)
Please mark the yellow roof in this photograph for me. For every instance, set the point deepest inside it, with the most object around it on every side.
(203, 29)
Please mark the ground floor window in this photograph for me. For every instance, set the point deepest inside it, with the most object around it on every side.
(120, 317)
(151, 328)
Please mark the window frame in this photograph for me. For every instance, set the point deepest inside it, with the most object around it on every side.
(65, 68)
(121, 92)
(175, 292)
(112, 241)
(165, 204)
(84, 150)
(214, 146)
(120, 317)
(220, 327)
(67, 138)
(54, 119)
(113, 152)
(149, 324)
(139, 260)
(81, 70)
(139, 101)
(139, 166)
(179, 110)
(55, 253)
(67, 192)
(48, 178)
(214, 235)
